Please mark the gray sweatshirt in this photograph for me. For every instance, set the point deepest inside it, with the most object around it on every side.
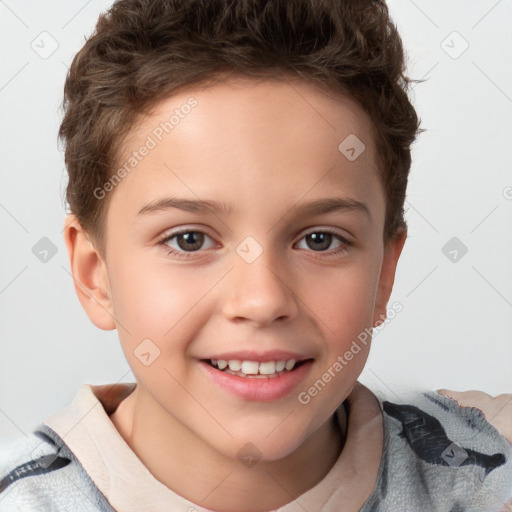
(437, 457)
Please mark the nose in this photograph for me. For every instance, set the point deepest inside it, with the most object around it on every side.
(260, 292)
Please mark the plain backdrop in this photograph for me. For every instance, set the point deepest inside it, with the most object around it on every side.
(454, 280)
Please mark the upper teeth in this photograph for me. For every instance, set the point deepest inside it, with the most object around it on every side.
(253, 367)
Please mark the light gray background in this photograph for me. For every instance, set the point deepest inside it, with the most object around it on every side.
(455, 330)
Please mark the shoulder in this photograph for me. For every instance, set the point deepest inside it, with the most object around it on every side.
(496, 409)
(432, 439)
(37, 472)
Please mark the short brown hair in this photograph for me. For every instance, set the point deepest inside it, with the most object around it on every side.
(145, 50)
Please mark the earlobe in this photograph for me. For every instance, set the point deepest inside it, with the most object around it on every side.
(392, 252)
(89, 273)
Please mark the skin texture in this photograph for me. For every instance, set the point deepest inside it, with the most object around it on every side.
(266, 148)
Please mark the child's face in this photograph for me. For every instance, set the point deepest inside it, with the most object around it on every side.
(249, 280)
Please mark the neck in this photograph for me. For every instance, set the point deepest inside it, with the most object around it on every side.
(192, 469)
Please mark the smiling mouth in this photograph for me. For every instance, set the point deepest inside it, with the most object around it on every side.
(254, 369)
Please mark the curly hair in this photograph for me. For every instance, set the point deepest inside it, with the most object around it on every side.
(143, 51)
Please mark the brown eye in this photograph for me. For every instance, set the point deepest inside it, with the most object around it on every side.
(329, 242)
(319, 241)
(186, 242)
(190, 241)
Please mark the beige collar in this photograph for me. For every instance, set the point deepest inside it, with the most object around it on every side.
(128, 485)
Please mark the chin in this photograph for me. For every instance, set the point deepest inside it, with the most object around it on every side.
(257, 447)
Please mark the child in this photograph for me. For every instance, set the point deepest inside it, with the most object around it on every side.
(251, 131)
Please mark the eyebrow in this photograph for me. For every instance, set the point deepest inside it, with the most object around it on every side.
(317, 207)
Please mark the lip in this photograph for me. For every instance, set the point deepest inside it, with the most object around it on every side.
(258, 389)
(260, 357)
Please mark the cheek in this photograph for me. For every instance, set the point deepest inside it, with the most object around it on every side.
(156, 301)
(344, 299)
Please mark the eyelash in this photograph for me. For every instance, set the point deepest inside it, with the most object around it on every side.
(186, 255)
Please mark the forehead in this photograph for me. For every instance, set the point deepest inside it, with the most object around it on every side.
(273, 138)
(288, 105)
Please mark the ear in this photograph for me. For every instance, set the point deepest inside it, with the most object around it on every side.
(392, 252)
(90, 276)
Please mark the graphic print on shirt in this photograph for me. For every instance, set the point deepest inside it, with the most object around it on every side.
(39, 466)
(428, 440)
